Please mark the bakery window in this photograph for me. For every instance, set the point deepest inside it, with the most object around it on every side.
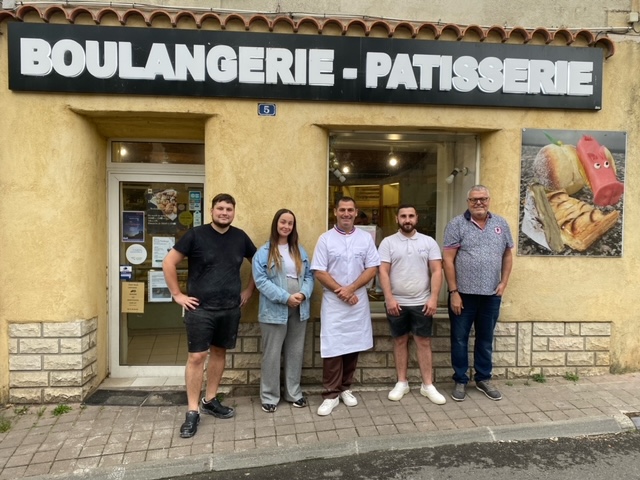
(382, 170)
(157, 152)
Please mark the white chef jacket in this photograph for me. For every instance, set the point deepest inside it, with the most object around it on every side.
(345, 328)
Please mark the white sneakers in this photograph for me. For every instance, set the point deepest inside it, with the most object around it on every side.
(395, 395)
(399, 391)
(432, 394)
(330, 403)
(327, 406)
(348, 399)
(402, 388)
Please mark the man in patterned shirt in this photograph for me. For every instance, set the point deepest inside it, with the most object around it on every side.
(477, 264)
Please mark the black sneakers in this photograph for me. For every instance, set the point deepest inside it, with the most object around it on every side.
(190, 425)
(300, 403)
(215, 408)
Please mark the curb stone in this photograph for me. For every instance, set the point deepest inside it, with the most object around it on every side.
(163, 469)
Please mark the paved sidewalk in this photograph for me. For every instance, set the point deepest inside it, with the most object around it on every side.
(121, 442)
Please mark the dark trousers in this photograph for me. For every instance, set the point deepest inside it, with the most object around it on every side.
(481, 312)
(337, 374)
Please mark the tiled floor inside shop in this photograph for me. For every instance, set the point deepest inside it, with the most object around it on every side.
(157, 348)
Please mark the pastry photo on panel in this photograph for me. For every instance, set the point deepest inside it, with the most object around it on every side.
(571, 193)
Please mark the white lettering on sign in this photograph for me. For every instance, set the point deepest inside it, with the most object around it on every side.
(251, 65)
(426, 64)
(222, 64)
(109, 65)
(313, 67)
(489, 75)
(35, 58)
(321, 67)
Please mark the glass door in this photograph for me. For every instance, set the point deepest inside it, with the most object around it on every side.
(148, 215)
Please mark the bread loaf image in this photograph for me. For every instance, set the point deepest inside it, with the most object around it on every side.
(556, 167)
(580, 224)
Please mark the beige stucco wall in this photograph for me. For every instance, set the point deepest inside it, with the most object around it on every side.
(53, 189)
(53, 260)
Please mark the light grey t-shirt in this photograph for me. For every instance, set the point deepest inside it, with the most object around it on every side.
(409, 258)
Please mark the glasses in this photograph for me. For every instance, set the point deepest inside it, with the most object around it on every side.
(478, 200)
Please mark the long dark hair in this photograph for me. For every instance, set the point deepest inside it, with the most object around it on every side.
(274, 255)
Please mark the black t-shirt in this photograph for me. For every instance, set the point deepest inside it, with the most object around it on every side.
(214, 265)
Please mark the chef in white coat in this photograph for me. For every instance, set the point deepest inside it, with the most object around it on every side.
(344, 261)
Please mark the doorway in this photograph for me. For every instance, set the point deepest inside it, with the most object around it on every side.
(149, 213)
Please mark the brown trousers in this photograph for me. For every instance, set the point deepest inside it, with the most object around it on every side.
(337, 374)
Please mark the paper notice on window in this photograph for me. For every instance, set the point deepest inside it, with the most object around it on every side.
(132, 297)
(158, 289)
(161, 246)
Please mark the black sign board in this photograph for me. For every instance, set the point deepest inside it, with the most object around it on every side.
(151, 61)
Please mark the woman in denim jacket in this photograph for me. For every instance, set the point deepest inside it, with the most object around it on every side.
(282, 275)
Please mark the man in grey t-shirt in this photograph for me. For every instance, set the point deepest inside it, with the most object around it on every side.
(411, 277)
(477, 265)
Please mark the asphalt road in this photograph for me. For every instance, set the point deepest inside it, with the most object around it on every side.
(605, 457)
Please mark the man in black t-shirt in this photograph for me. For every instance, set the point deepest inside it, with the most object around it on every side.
(212, 303)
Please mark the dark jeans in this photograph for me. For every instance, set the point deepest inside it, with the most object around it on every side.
(480, 311)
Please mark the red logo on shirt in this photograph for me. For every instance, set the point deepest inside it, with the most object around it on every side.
(498, 230)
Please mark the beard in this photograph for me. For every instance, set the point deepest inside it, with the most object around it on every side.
(407, 227)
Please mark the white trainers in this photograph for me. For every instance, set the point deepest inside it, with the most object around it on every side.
(432, 394)
(399, 391)
(348, 399)
(327, 406)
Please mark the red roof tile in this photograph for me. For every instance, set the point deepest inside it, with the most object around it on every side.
(522, 35)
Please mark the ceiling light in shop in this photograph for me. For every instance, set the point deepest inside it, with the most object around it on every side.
(392, 159)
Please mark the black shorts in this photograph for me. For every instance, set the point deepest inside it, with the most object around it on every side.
(205, 328)
(411, 319)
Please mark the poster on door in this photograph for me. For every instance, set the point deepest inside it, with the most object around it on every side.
(161, 246)
(162, 211)
(132, 226)
(572, 193)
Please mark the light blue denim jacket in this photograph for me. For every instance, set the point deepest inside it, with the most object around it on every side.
(272, 285)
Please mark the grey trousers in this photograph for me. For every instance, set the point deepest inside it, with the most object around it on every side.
(286, 341)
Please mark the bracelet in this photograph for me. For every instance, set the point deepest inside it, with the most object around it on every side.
(453, 291)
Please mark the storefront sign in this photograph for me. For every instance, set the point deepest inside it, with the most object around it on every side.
(150, 61)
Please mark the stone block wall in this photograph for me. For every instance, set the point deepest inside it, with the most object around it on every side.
(52, 362)
(56, 362)
(521, 349)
